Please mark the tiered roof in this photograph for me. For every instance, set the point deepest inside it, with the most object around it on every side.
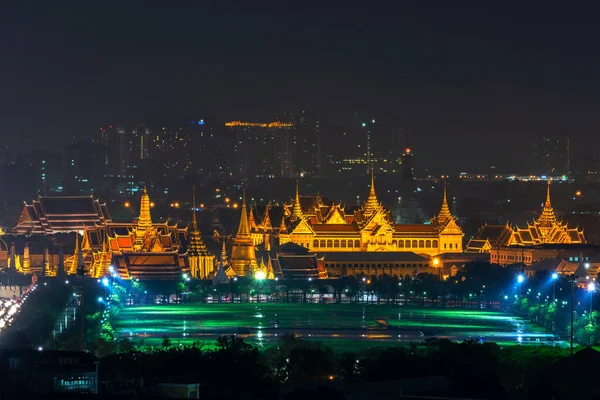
(56, 214)
(546, 229)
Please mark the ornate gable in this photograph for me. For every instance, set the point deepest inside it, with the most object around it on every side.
(335, 216)
(303, 228)
(451, 228)
(378, 220)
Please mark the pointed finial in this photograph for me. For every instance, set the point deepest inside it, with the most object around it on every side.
(372, 180)
(194, 206)
(445, 200)
(243, 229)
(548, 194)
(145, 191)
(297, 210)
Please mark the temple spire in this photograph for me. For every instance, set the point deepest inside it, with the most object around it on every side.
(548, 219)
(297, 210)
(444, 215)
(372, 203)
(145, 220)
(194, 222)
(243, 229)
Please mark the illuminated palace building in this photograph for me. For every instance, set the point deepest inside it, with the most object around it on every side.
(543, 238)
(364, 242)
(327, 228)
(140, 249)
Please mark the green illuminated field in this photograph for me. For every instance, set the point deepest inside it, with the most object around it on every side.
(342, 326)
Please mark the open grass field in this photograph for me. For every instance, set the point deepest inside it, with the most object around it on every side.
(340, 326)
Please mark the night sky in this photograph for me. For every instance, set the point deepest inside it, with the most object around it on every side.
(473, 84)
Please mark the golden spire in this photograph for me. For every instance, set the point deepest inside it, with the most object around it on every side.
(548, 218)
(297, 210)
(194, 222)
(145, 220)
(266, 222)
(444, 214)
(243, 229)
(196, 246)
(372, 203)
(282, 227)
(251, 220)
(224, 254)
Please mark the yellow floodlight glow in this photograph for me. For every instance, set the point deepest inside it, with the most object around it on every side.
(260, 275)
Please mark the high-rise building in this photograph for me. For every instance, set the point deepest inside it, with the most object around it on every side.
(550, 156)
(262, 149)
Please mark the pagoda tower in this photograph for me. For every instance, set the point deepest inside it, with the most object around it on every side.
(547, 220)
(444, 215)
(297, 209)
(200, 261)
(102, 260)
(26, 259)
(372, 204)
(243, 258)
(144, 221)
(46, 262)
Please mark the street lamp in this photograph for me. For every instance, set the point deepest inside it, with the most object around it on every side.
(554, 278)
(520, 280)
(591, 288)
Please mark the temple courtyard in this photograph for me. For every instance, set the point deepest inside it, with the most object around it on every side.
(344, 327)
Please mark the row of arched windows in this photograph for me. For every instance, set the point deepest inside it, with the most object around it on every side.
(355, 243)
(336, 243)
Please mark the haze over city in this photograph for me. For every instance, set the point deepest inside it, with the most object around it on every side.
(474, 84)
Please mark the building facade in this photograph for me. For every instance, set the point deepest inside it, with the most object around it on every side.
(324, 227)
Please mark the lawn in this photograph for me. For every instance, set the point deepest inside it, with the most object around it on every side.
(341, 326)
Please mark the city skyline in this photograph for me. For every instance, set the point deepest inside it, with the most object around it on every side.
(462, 79)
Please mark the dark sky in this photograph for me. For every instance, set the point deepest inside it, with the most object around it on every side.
(464, 79)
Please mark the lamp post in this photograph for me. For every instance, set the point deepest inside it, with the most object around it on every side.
(520, 280)
(554, 278)
(591, 288)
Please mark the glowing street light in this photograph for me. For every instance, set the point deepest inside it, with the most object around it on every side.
(100, 299)
(554, 276)
(520, 279)
(554, 279)
(105, 282)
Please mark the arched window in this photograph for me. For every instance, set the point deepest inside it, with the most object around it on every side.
(357, 243)
(336, 243)
(421, 244)
(434, 244)
(350, 243)
(414, 244)
(428, 244)
(322, 243)
(444, 246)
(408, 244)
(330, 243)
(343, 243)
(400, 243)
(315, 243)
